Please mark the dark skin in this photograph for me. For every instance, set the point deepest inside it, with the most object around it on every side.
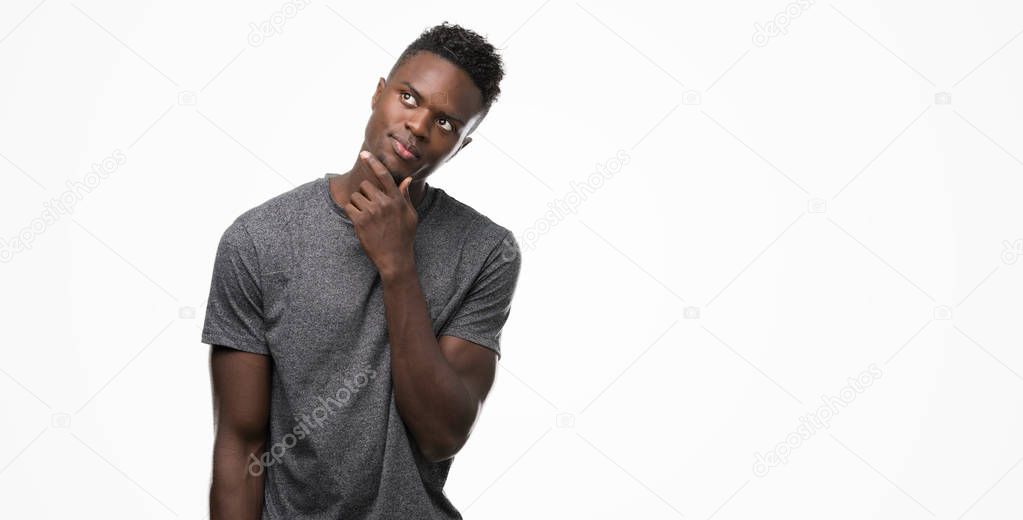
(241, 413)
(440, 383)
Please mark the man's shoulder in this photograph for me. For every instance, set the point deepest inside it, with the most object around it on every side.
(283, 206)
(459, 215)
(479, 236)
(272, 216)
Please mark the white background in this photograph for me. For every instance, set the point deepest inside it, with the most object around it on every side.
(816, 200)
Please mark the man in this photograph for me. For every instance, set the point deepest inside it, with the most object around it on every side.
(355, 320)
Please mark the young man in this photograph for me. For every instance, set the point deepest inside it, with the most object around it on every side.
(355, 321)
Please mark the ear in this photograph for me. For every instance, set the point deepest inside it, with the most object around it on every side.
(376, 94)
(464, 144)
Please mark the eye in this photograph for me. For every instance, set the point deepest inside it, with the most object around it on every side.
(410, 97)
(450, 127)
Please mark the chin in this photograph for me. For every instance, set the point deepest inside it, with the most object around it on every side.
(390, 161)
(397, 168)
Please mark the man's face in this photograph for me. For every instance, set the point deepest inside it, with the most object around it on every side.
(429, 105)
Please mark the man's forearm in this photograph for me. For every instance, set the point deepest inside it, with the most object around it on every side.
(431, 397)
(237, 488)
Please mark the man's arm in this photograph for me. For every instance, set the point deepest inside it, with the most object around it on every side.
(241, 410)
(439, 385)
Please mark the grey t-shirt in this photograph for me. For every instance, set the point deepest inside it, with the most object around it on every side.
(291, 281)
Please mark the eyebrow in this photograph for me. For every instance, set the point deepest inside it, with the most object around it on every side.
(420, 96)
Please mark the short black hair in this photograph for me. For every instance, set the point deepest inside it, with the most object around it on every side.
(466, 49)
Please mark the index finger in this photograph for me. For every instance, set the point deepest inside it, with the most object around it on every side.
(382, 174)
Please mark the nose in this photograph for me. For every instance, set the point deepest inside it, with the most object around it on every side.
(419, 123)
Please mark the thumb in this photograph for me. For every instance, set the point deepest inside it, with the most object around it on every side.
(403, 188)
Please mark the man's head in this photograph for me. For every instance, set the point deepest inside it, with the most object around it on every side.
(435, 95)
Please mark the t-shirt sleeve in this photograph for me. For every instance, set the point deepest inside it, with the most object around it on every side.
(234, 311)
(487, 305)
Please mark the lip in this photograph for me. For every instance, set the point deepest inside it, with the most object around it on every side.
(402, 151)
